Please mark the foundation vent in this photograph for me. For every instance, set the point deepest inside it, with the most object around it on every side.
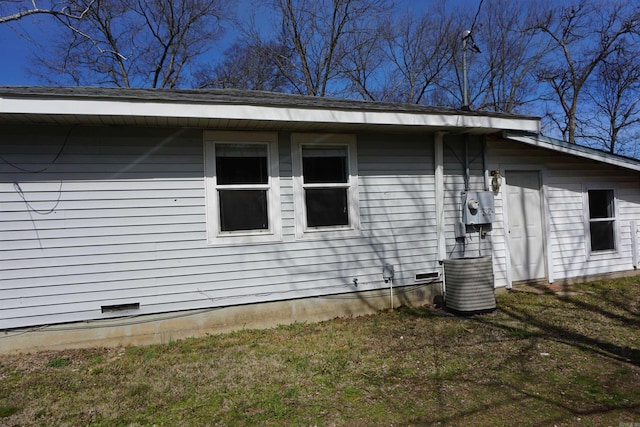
(120, 307)
(427, 277)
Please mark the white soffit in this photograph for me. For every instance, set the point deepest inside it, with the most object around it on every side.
(575, 150)
(126, 108)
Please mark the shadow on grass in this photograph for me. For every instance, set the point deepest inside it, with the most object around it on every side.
(576, 299)
(608, 296)
(524, 399)
(587, 319)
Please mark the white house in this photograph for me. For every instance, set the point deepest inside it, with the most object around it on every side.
(139, 215)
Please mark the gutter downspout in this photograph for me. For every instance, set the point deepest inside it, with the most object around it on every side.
(466, 163)
(439, 182)
(634, 244)
(438, 160)
(484, 163)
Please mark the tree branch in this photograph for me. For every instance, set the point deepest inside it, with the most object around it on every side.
(35, 10)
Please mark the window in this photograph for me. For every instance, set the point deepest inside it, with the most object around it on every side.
(325, 180)
(602, 220)
(242, 187)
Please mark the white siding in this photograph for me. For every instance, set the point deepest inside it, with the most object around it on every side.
(462, 153)
(120, 218)
(565, 178)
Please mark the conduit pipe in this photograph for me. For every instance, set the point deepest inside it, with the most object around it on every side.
(387, 275)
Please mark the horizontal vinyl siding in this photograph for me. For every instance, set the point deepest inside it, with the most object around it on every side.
(457, 151)
(565, 179)
(120, 218)
(397, 202)
(80, 205)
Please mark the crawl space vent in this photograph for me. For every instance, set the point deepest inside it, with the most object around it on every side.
(427, 277)
(120, 307)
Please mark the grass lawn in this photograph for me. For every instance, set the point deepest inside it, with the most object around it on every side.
(542, 359)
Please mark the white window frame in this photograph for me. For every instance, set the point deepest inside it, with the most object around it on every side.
(587, 220)
(214, 234)
(298, 140)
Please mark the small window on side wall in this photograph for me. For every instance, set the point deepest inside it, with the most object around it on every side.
(601, 220)
(242, 187)
(325, 185)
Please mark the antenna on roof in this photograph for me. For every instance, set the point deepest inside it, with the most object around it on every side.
(468, 42)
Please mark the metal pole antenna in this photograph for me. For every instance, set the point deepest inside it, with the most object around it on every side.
(466, 36)
(465, 89)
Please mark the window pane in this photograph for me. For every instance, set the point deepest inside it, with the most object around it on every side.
(324, 164)
(243, 210)
(601, 204)
(241, 164)
(602, 236)
(327, 207)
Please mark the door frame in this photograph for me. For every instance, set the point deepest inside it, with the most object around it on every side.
(545, 213)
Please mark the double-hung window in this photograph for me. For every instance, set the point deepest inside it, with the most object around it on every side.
(601, 217)
(242, 187)
(325, 184)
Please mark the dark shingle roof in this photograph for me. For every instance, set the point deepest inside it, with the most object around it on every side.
(234, 97)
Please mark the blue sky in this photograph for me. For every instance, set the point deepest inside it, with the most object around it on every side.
(19, 40)
(15, 49)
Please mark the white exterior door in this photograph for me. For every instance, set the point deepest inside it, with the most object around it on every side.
(525, 233)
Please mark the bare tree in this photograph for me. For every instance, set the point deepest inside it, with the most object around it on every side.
(96, 52)
(134, 42)
(14, 10)
(316, 32)
(615, 97)
(363, 67)
(500, 55)
(509, 56)
(583, 35)
(247, 64)
(416, 49)
(450, 82)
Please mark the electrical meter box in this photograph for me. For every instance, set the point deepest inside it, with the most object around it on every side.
(478, 208)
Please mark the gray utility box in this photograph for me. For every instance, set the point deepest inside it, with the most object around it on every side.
(469, 285)
(478, 208)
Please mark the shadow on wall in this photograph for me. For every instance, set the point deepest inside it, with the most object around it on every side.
(110, 216)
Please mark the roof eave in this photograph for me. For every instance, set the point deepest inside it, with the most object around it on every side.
(122, 108)
(538, 140)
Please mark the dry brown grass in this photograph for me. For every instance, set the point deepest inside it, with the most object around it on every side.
(542, 358)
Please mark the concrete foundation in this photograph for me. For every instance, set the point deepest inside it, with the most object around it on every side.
(163, 328)
(581, 279)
